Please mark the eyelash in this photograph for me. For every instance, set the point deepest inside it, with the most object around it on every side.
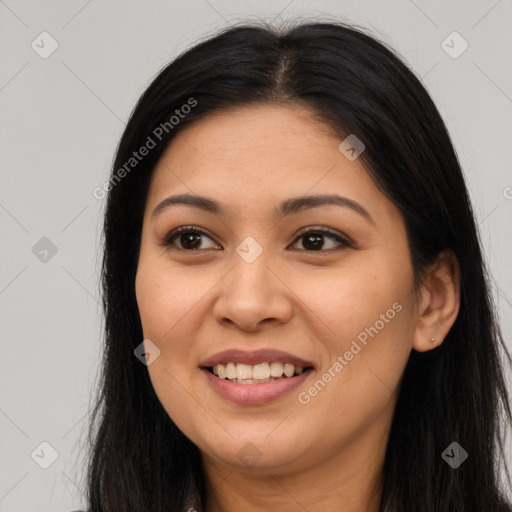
(167, 242)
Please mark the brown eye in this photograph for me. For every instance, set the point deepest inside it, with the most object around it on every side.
(189, 238)
(314, 240)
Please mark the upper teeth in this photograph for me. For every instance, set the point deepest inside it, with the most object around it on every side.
(257, 371)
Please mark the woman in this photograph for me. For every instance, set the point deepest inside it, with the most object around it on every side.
(298, 316)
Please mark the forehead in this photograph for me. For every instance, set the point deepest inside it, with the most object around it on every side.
(253, 156)
(273, 132)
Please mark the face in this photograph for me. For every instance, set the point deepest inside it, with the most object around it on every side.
(327, 287)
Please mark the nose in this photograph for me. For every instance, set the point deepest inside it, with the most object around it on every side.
(253, 295)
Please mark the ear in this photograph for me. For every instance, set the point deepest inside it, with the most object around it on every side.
(439, 302)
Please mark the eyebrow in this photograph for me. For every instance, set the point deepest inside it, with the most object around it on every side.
(287, 207)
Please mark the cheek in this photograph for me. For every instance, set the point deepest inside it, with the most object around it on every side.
(166, 297)
(166, 300)
(362, 314)
(172, 304)
(163, 306)
(351, 298)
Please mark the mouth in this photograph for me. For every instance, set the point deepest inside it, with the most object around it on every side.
(252, 378)
(261, 373)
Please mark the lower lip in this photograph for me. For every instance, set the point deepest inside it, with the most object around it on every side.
(254, 394)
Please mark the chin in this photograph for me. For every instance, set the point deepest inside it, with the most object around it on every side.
(255, 452)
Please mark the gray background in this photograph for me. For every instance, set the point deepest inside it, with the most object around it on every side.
(60, 124)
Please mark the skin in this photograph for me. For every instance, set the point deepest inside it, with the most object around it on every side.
(311, 303)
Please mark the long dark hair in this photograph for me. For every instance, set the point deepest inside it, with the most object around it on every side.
(139, 460)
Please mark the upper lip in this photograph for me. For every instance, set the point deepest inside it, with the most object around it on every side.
(254, 357)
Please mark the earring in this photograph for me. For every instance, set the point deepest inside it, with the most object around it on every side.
(433, 340)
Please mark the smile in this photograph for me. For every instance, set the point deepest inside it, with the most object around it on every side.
(254, 377)
(256, 374)
(254, 391)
